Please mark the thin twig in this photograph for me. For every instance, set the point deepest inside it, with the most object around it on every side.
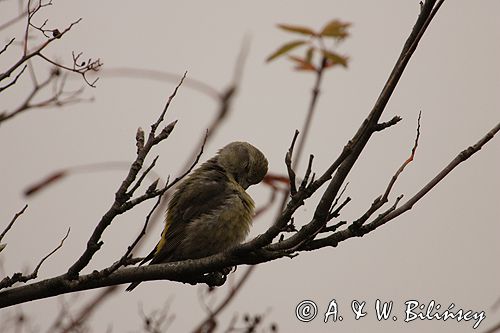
(461, 157)
(304, 182)
(19, 277)
(382, 126)
(381, 200)
(222, 305)
(131, 247)
(346, 160)
(11, 83)
(36, 52)
(9, 226)
(123, 201)
(7, 45)
(13, 20)
(87, 310)
(310, 111)
(288, 162)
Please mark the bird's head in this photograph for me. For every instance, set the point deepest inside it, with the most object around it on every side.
(245, 163)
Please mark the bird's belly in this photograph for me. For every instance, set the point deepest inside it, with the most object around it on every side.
(217, 231)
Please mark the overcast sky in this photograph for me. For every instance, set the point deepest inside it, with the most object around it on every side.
(445, 249)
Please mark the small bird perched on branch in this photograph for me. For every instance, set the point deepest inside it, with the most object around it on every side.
(210, 210)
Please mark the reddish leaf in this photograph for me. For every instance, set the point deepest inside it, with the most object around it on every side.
(297, 29)
(336, 29)
(271, 178)
(302, 64)
(335, 59)
(285, 48)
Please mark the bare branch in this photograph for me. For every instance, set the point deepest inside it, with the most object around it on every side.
(122, 200)
(261, 249)
(158, 320)
(461, 157)
(343, 164)
(126, 256)
(9, 226)
(144, 174)
(381, 200)
(13, 20)
(162, 115)
(19, 277)
(382, 126)
(58, 98)
(6, 45)
(211, 318)
(11, 83)
(336, 213)
(339, 196)
(82, 68)
(333, 228)
(288, 162)
(394, 212)
(28, 55)
(87, 310)
(358, 142)
(304, 183)
(312, 108)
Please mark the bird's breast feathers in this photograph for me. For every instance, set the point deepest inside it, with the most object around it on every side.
(205, 217)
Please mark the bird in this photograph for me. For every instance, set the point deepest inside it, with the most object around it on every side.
(210, 210)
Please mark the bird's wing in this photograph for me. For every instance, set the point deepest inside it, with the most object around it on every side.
(197, 196)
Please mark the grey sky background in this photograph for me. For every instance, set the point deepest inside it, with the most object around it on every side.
(445, 249)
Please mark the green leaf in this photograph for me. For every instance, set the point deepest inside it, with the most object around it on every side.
(285, 49)
(297, 29)
(336, 29)
(309, 54)
(335, 59)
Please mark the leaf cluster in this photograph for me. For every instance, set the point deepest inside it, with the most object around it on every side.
(315, 43)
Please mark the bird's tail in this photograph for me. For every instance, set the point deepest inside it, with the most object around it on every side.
(145, 260)
(132, 286)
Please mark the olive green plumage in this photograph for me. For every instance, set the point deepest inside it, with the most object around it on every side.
(210, 210)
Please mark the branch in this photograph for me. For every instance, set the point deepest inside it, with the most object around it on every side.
(122, 201)
(209, 321)
(288, 162)
(9, 226)
(6, 45)
(123, 260)
(19, 277)
(461, 157)
(262, 249)
(13, 20)
(179, 271)
(81, 68)
(357, 144)
(382, 126)
(184, 270)
(87, 310)
(59, 98)
(381, 200)
(312, 107)
(394, 212)
(13, 82)
(36, 52)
